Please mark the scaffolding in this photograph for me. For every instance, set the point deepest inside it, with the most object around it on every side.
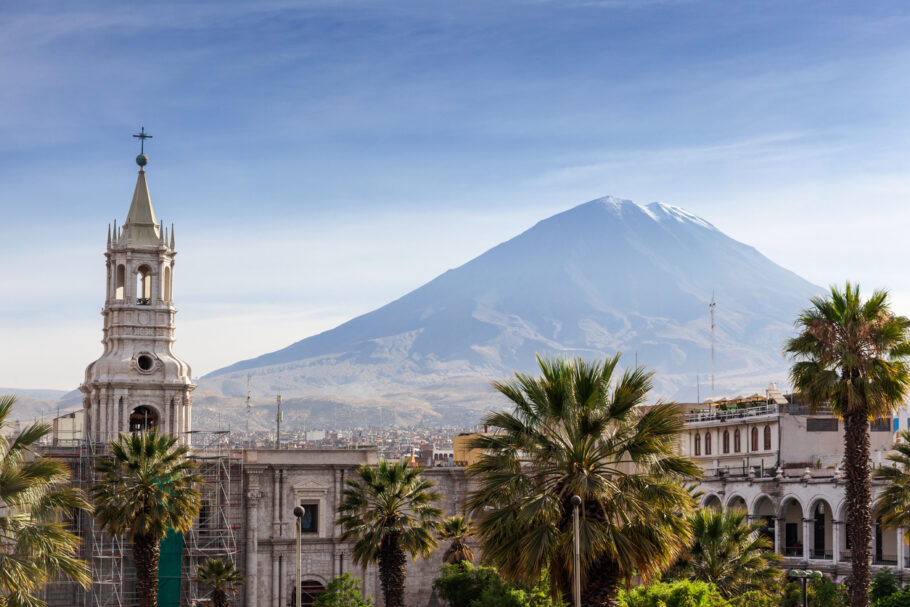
(216, 533)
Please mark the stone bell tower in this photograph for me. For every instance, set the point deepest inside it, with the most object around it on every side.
(138, 382)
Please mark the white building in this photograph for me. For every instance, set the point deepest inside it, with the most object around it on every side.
(781, 463)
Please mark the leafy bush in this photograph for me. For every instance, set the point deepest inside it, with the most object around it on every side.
(821, 593)
(343, 591)
(884, 584)
(464, 585)
(898, 599)
(683, 593)
(756, 598)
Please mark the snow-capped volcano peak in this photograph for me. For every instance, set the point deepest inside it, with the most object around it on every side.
(658, 211)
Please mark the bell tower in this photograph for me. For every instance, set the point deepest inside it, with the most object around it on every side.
(138, 382)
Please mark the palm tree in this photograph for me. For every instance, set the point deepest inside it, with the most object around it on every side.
(221, 576)
(390, 511)
(35, 546)
(850, 355)
(729, 552)
(892, 507)
(146, 488)
(578, 429)
(457, 529)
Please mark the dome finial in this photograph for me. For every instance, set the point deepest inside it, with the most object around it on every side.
(142, 159)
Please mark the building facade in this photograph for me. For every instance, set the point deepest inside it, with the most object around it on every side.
(781, 463)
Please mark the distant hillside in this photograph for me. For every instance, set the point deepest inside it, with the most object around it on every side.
(604, 276)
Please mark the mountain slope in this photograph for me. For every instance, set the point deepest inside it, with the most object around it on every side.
(607, 275)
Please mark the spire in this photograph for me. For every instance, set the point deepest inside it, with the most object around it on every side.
(172, 237)
(141, 227)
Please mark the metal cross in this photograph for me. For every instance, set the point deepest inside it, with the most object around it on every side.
(142, 137)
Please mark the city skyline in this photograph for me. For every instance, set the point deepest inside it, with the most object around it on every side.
(321, 159)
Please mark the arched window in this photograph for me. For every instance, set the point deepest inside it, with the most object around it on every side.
(167, 283)
(120, 282)
(726, 441)
(708, 443)
(143, 286)
(737, 444)
(755, 439)
(697, 443)
(767, 438)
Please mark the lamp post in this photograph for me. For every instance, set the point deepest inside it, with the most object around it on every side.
(804, 576)
(298, 513)
(576, 569)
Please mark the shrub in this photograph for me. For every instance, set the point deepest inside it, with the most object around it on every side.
(343, 591)
(821, 593)
(883, 585)
(898, 599)
(683, 593)
(755, 598)
(464, 585)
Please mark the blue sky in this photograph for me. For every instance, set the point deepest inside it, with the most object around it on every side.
(322, 158)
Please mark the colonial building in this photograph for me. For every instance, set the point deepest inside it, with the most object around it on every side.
(781, 462)
(138, 382)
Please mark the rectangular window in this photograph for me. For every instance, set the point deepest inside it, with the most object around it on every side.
(309, 522)
(821, 424)
(880, 425)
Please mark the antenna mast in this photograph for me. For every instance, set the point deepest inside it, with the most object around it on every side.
(712, 305)
(248, 441)
(278, 425)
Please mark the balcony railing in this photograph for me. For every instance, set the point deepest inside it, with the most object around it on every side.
(714, 414)
(822, 555)
(144, 301)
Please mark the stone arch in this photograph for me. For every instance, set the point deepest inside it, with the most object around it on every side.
(167, 284)
(821, 528)
(790, 516)
(120, 282)
(143, 285)
(311, 586)
(737, 501)
(763, 510)
(712, 500)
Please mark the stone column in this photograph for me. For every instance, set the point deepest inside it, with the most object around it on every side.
(778, 529)
(835, 540)
(252, 539)
(276, 533)
(901, 548)
(807, 528)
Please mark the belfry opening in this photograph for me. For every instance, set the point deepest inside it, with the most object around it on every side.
(143, 418)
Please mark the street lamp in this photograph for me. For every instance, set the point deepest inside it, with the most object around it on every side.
(576, 506)
(804, 576)
(298, 512)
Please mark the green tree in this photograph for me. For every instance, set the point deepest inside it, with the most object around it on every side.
(893, 504)
(343, 591)
(464, 585)
(144, 489)
(850, 354)
(35, 546)
(222, 576)
(456, 529)
(730, 553)
(578, 429)
(682, 593)
(389, 511)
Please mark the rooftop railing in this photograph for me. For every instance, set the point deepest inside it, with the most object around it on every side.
(713, 414)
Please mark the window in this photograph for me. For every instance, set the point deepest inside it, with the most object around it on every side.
(736, 441)
(880, 425)
(143, 418)
(120, 282)
(755, 439)
(143, 286)
(767, 438)
(309, 522)
(697, 443)
(309, 590)
(707, 443)
(726, 441)
(821, 424)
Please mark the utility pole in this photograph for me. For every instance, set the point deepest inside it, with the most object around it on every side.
(278, 425)
(712, 305)
(248, 441)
